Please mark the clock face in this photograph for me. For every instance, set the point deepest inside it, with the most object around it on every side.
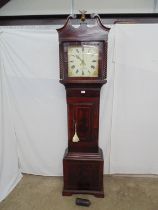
(83, 61)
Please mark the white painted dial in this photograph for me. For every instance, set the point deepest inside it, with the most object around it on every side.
(83, 61)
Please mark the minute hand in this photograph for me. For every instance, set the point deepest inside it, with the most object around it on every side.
(82, 61)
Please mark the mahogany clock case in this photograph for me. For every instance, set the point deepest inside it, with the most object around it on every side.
(83, 160)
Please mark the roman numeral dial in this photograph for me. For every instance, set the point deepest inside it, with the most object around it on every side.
(83, 61)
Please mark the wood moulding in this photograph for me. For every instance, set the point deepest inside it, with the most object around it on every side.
(3, 2)
(60, 19)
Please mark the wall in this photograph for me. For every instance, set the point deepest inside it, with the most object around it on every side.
(29, 7)
(34, 7)
(113, 6)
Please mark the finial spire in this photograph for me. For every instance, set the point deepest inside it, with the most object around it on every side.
(83, 17)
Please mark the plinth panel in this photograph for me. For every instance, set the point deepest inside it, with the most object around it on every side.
(83, 173)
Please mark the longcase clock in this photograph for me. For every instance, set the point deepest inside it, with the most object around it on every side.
(83, 70)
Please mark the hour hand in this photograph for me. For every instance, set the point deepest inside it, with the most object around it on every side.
(82, 63)
(78, 57)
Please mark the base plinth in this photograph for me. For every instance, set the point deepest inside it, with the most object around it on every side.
(97, 194)
(83, 173)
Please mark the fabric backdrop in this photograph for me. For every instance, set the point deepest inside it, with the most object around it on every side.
(33, 123)
(134, 130)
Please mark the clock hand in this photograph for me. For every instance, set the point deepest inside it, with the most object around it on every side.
(82, 63)
(78, 57)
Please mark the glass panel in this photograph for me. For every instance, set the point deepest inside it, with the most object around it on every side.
(83, 61)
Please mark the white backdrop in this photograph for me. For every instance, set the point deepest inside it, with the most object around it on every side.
(134, 131)
(33, 104)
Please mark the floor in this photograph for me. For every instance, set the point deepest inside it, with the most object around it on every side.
(122, 193)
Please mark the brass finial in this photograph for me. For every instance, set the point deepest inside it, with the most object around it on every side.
(83, 17)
